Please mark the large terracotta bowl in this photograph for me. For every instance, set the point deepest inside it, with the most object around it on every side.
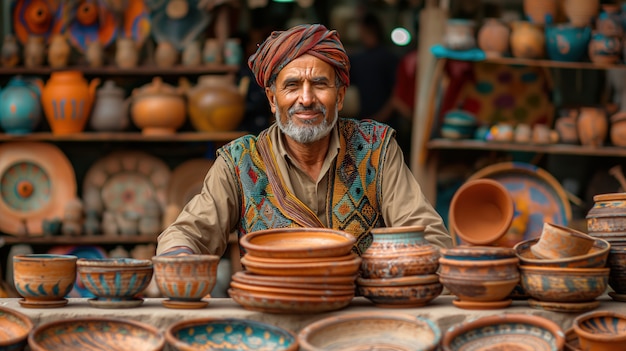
(564, 284)
(330, 268)
(595, 258)
(370, 331)
(87, 334)
(601, 331)
(43, 280)
(215, 334)
(14, 329)
(297, 243)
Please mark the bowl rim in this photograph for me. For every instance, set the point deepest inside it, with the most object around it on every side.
(32, 342)
(343, 246)
(605, 247)
(597, 337)
(39, 257)
(330, 322)
(113, 262)
(24, 318)
(185, 258)
(601, 271)
(169, 331)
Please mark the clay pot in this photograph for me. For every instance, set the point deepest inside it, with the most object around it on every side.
(399, 252)
(540, 12)
(59, 51)
(166, 54)
(592, 126)
(109, 112)
(212, 52)
(44, 280)
(601, 331)
(215, 103)
(34, 51)
(459, 34)
(126, 55)
(527, 40)
(10, 51)
(95, 54)
(608, 215)
(567, 43)
(20, 110)
(618, 129)
(481, 211)
(560, 284)
(561, 242)
(581, 12)
(493, 37)
(192, 54)
(605, 49)
(158, 108)
(67, 99)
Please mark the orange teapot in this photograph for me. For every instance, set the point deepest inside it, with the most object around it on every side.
(158, 108)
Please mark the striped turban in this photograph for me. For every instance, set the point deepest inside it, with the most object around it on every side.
(281, 47)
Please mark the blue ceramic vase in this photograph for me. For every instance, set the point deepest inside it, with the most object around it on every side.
(20, 109)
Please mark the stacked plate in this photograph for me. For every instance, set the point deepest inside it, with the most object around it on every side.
(296, 270)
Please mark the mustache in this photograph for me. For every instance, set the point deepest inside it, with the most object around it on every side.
(313, 108)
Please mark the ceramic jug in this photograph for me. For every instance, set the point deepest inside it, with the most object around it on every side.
(109, 112)
(527, 40)
(215, 104)
(20, 110)
(67, 99)
(158, 108)
(592, 126)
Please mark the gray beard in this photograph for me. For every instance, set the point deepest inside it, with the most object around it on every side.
(308, 133)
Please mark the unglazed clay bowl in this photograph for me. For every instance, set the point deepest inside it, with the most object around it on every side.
(115, 281)
(329, 268)
(601, 331)
(564, 284)
(14, 329)
(505, 332)
(44, 280)
(561, 242)
(595, 258)
(297, 282)
(298, 243)
(295, 291)
(485, 290)
(215, 334)
(402, 296)
(480, 270)
(363, 331)
(288, 303)
(87, 334)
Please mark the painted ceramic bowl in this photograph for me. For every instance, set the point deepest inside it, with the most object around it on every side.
(217, 334)
(505, 332)
(402, 296)
(43, 280)
(477, 253)
(558, 241)
(595, 258)
(370, 331)
(297, 243)
(485, 290)
(85, 334)
(564, 284)
(14, 329)
(601, 330)
(295, 282)
(115, 282)
(288, 303)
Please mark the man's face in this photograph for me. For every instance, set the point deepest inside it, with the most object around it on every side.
(306, 101)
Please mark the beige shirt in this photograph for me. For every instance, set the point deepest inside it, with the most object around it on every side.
(207, 220)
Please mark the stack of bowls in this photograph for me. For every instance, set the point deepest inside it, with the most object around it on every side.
(617, 273)
(398, 269)
(569, 275)
(296, 270)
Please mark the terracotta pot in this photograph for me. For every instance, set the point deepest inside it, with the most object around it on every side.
(608, 215)
(618, 129)
(561, 242)
(481, 211)
(34, 51)
(44, 280)
(601, 330)
(58, 51)
(94, 54)
(158, 108)
(67, 99)
(592, 126)
(527, 40)
(212, 52)
(166, 54)
(126, 55)
(493, 37)
(581, 12)
(540, 11)
(192, 54)
(560, 284)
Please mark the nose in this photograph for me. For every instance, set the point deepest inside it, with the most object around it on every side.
(307, 96)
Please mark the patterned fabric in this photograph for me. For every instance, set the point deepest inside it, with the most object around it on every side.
(354, 194)
(284, 46)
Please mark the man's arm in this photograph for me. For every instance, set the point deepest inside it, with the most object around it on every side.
(404, 204)
(204, 224)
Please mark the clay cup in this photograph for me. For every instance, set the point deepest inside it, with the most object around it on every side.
(560, 242)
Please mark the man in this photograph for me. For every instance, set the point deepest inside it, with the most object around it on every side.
(310, 169)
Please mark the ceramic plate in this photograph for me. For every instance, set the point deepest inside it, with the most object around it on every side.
(538, 198)
(186, 181)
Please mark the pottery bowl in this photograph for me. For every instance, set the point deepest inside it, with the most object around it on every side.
(370, 331)
(564, 284)
(114, 279)
(601, 330)
(185, 278)
(297, 243)
(295, 291)
(413, 295)
(288, 303)
(479, 291)
(480, 270)
(296, 282)
(561, 242)
(505, 332)
(81, 334)
(229, 334)
(477, 253)
(278, 268)
(398, 265)
(14, 329)
(595, 258)
(481, 211)
(42, 278)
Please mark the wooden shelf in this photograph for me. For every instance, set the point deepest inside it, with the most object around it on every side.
(116, 71)
(125, 136)
(564, 149)
(79, 240)
(551, 63)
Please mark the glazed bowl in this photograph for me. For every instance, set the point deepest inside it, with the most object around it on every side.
(217, 334)
(14, 329)
(115, 282)
(601, 330)
(505, 332)
(81, 334)
(185, 280)
(43, 280)
(564, 284)
(595, 258)
(370, 331)
(557, 241)
(297, 243)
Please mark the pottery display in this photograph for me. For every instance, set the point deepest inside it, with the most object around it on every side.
(527, 40)
(20, 110)
(109, 112)
(43, 280)
(561, 242)
(581, 12)
(592, 126)
(541, 12)
(459, 34)
(158, 108)
(601, 330)
(565, 42)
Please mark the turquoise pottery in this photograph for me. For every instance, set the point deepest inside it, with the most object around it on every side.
(505, 332)
(91, 334)
(20, 109)
(115, 281)
(14, 329)
(215, 334)
(565, 42)
(601, 330)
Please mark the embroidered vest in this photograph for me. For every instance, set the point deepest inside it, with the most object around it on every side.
(353, 195)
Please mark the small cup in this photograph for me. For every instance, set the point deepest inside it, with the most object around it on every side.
(560, 242)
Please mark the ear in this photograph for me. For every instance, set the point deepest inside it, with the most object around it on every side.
(341, 94)
(270, 97)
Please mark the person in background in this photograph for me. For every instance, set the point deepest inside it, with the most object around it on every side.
(310, 168)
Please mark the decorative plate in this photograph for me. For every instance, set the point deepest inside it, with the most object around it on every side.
(104, 29)
(182, 31)
(186, 181)
(34, 17)
(538, 198)
(137, 22)
(126, 180)
(36, 182)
